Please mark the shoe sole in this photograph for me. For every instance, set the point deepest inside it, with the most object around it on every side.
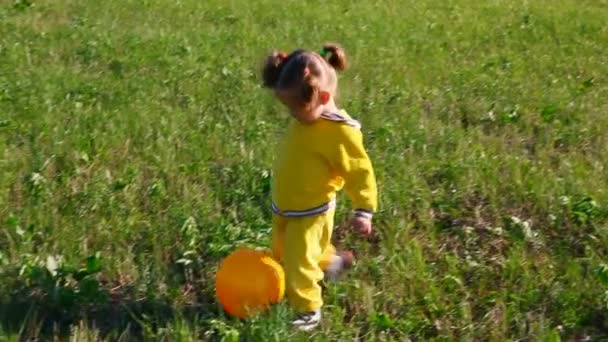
(307, 327)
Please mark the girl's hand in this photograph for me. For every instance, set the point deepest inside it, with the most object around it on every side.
(362, 224)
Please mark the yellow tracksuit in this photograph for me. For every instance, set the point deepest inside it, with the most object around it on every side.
(313, 162)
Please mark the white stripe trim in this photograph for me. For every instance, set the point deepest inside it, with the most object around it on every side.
(363, 213)
(304, 213)
(339, 118)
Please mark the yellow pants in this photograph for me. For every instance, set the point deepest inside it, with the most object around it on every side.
(303, 246)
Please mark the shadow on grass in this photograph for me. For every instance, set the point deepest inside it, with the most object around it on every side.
(34, 316)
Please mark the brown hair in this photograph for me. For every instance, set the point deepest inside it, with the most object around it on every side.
(301, 74)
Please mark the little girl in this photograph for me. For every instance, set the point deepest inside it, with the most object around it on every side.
(322, 152)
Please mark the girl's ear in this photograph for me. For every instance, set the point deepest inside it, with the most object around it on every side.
(306, 72)
(324, 96)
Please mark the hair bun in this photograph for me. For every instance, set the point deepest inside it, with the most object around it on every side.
(272, 68)
(335, 56)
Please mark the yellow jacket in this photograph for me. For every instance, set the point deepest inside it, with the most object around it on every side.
(316, 160)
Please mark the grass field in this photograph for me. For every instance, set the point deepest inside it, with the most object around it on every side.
(136, 143)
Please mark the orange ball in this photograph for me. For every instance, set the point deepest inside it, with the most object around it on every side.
(248, 281)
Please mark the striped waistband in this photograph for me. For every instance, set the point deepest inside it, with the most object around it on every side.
(304, 213)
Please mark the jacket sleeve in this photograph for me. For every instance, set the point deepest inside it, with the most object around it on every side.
(346, 153)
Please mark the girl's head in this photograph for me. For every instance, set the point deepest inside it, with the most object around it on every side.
(305, 81)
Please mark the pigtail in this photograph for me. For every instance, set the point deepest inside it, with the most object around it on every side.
(335, 56)
(272, 69)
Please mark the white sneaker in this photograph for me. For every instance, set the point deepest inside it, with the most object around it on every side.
(307, 321)
(341, 262)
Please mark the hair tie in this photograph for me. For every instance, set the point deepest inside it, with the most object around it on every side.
(323, 53)
(281, 56)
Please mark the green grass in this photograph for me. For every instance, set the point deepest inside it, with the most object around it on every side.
(135, 146)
